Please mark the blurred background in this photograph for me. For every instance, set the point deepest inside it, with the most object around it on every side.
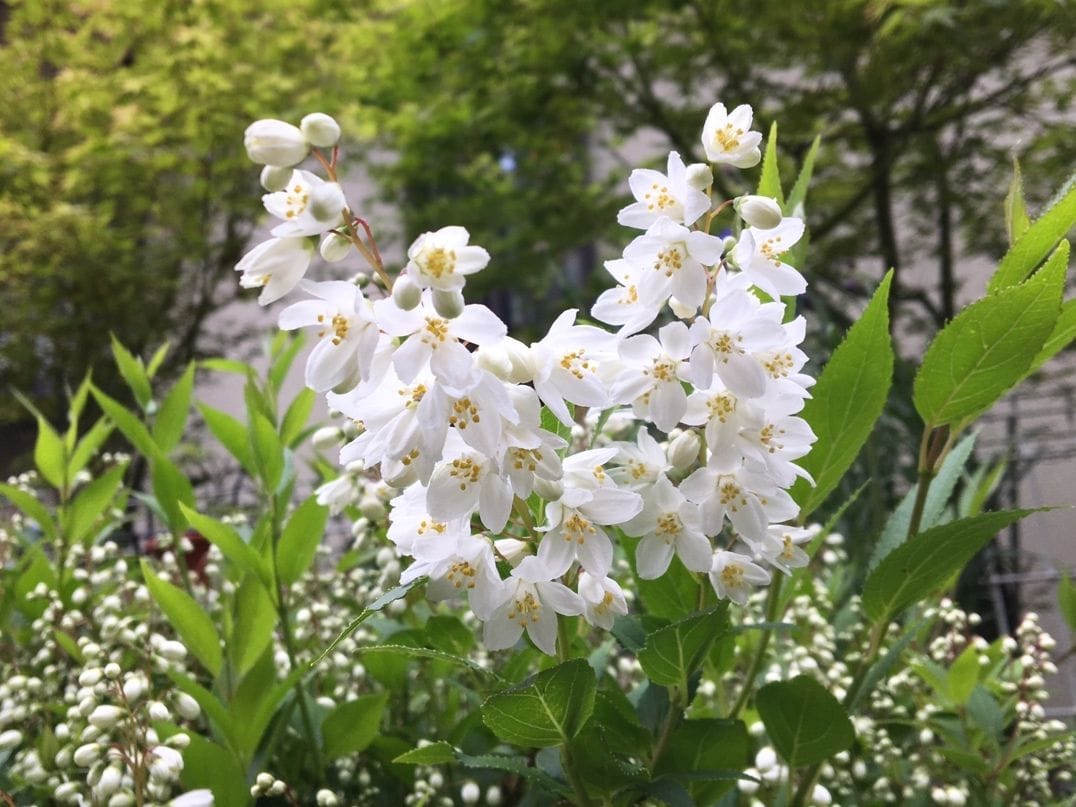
(126, 197)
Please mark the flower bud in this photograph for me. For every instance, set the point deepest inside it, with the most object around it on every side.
(9, 739)
(683, 452)
(759, 211)
(470, 793)
(699, 176)
(681, 310)
(187, 706)
(765, 759)
(327, 202)
(88, 678)
(275, 178)
(448, 303)
(494, 360)
(134, 688)
(110, 781)
(326, 798)
(274, 142)
(550, 490)
(167, 763)
(112, 670)
(406, 294)
(86, 755)
(372, 508)
(524, 364)
(320, 130)
(326, 438)
(172, 650)
(334, 247)
(820, 795)
(511, 549)
(105, 717)
(123, 800)
(158, 711)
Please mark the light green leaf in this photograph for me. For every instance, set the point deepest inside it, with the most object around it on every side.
(769, 182)
(230, 544)
(927, 561)
(1041, 237)
(284, 353)
(547, 709)
(220, 365)
(267, 450)
(986, 350)
(674, 653)
(255, 619)
(133, 428)
(352, 726)
(30, 507)
(880, 669)
(847, 400)
(210, 766)
(798, 195)
(437, 753)
(804, 721)
(1065, 328)
(86, 448)
(232, 435)
(171, 419)
(157, 359)
(300, 539)
(91, 501)
(133, 372)
(296, 417)
(49, 454)
(963, 675)
(172, 490)
(192, 624)
(1066, 601)
(1016, 218)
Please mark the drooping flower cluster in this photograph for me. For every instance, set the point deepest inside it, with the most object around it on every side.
(469, 424)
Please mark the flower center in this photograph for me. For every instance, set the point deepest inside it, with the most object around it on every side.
(721, 406)
(772, 251)
(662, 370)
(669, 260)
(425, 526)
(577, 363)
(526, 459)
(466, 470)
(779, 365)
(527, 608)
(463, 412)
(726, 344)
(439, 261)
(732, 576)
(436, 331)
(731, 495)
(296, 200)
(461, 574)
(728, 137)
(415, 394)
(658, 197)
(577, 528)
(669, 526)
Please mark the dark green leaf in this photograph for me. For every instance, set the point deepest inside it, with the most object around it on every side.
(518, 766)
(352, 726)
(698, 746)
(804, 721)
(673, 654)
(437, 753)
(547, 709)
(672, 596)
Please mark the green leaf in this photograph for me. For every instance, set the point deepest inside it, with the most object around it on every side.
(547, 709)
(1017, 221)
(518, 766)
(963, 675)
(674, 653)
(30, 507)
(769, 182)
(91, 501)
(352, 726)
(847, 400)
(171, 418)
(88, 446)
(804, 721)
(1038, 241)
(300, 539)
(672, 596)
(378, 604)
(983, 709)
(192, 624)
(284, 353)
(1065, 328)
(172, 490)
(430, 653)
(927, 561)
(231, 434)
(798, 195)
(1066, 601)
(133, 372)
(986, 350)
(220, 365)
(50, 455)
(880, 669)
(706, 745)
(210, 766)
(255, 620)
(157, 359)
(230, 544)
(296, 417)
(133, 428)
(69, 645)
(267, 450)
(437, 753)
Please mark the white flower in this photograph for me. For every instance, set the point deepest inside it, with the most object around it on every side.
(659, 194)
(651, 379)
(640, 463)
(668, 523)
(781, 547)
(758, 253)
(567, 361)
(675, 256)
(412, 528)
(745, 493)
(308, 205)
(275, 266)
(443, 259)
(604, 599)
(531, 453)
(623, 304)
(466, 480)
(274, 142)
(167, 762)
(728, 139)
(530, 600)
(348, 337)
(775, 438)
(733, 575)
(460, 565)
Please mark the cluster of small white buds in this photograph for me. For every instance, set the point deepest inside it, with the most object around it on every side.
(265, 784)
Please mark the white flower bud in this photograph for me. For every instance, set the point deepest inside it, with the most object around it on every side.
(187, 706)
(470, 793)
(820, 795)
(334, 247)
(326, 798)
(274, 142)
(158, 711)
(112, 670)
(88, 678)
(511, 549)
(86, 755)
(956, 796)
(748, 786)
(320, 130)
(448, 303)
(759, 211)
(683, 452)
(172, 650)
(765, 759)
(699, 176)
(9, 739)
(275, 178)
(179, 740)
(493, 796)
(278, 788)
(123, 800)
(167, 763)
(680, 309)
(524, 364)
(406, 294)
(264, 780)
(110, 781)
(372, 508)
(327, 437)
(327, 202)
(105, 717)
(550, 490)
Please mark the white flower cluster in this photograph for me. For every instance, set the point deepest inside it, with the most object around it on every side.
(449, 408)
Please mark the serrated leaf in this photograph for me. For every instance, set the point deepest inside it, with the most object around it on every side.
(352, 726)
(705, 747)
(300, 539)
(518, 766)
(803, 720)
(769, 182)
(674, 653)
(924, 563)
(1039, 239)
(389, 596)
(192, 624)
(547, 709)
(847, 400)
(881, 668)
(1017, 221)
(985, 350)
(438, 753)
(171, 418)
(428, 653)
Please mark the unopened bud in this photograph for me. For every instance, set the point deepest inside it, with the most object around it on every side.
(759, 211)
(327, 437)
(372, 508)
(448, 303)
(326, 798)
(406, 294)
(699, 176)
(86, 755)
(320, 130)
(334, 247)
(105, 717)
(550, 490)
(110, 781)
(275, 178)
(683, 452)
(820, 795)
(172, 650)
(9, 739)
(274, 142)
(327, 202)
(158, 711)
(511, 549)
(187, 706)
(134, 688)
(470, 793)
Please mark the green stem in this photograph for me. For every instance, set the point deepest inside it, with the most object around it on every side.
(772, 607)
(564, 638)
(572, 774)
